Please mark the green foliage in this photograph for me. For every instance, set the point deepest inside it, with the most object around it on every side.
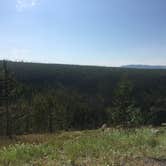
(48, 98)
(135, 115)
(124, 111)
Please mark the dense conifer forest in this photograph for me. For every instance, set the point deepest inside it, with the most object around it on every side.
(52, 97)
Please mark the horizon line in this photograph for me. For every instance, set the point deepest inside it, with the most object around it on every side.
(77, 64)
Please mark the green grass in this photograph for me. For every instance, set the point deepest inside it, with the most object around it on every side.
(86, 148)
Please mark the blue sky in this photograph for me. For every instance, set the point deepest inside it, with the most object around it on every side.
(88, 32)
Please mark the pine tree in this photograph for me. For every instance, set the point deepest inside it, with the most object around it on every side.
(7, 85)
(6, 99)
(123, 100)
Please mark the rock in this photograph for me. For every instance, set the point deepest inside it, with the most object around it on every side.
(155, 131)
(104, 126)
(163, 124)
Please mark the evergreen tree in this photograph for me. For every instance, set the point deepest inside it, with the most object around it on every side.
(122, 101)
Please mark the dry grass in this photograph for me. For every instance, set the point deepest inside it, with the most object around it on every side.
(87, 148)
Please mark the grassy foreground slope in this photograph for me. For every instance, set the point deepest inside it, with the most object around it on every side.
(144, 146)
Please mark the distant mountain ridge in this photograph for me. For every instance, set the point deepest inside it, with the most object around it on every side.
(144, 67)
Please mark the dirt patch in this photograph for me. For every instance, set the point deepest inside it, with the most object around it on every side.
(150, 162)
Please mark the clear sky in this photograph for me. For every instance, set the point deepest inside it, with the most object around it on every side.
(89, 32)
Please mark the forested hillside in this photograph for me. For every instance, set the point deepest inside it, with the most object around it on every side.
(51, 97)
